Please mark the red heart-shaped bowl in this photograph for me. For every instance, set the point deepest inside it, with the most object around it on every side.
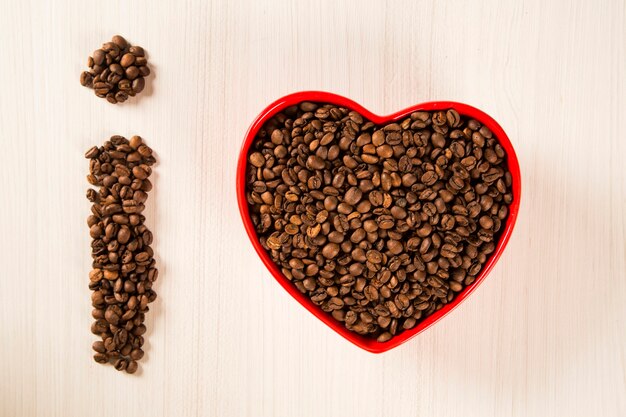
(370, 344)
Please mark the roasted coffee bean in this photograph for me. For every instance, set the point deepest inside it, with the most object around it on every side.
(378, 225)
(132, 73)
(109, 344)
(86, 79)
(136, 354)
(127, 60)
(131, 368)
(99, 346)
(117, 70)
(138, 84)
(353, 196)
(384, 337)
(121, 96)
(121, 364)
(123, 268)
(101, 358)
(120, 42)
(137, 51)
(330, 250)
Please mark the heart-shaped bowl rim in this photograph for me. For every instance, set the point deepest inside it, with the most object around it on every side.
(370, 344)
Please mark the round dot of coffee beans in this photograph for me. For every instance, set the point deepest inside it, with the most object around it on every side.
(123, 261)
(380, 226)
(116, 70)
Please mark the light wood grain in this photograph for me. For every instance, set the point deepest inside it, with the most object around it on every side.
(544, 336)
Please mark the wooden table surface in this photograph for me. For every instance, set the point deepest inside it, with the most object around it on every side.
(545, 335)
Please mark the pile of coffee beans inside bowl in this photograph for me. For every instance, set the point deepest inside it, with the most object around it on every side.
(123, 264)
(380, 226)
(116, 71)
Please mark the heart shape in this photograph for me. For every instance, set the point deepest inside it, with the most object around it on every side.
(371, 344)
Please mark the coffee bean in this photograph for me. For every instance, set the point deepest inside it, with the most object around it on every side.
(374, 256)
(136, 354)
(109, 344)
(132, 366)
(100, 358)
(111, 315)
(117, 70)
(98, 57)
(138, 84)
(121, 96)
(371, 293)
(131, 72)
(127, 60)
(142, 172)
(86, 79)
(384, 337)
(139, 330)
(456, 183)
(330, 250)
(315, 162)
(257, 159)
(119, 41)
(409, 323)
(136, 50)
(353, 196)
(453, 118)
(438, 140)
(380, 226)
(486, 222)
(121, 364)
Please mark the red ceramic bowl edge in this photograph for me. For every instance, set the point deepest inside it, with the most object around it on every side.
(369, 344)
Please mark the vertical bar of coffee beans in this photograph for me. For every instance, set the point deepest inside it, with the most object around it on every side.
(123, 264)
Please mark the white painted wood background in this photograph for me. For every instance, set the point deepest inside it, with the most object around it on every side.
(545, 335)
